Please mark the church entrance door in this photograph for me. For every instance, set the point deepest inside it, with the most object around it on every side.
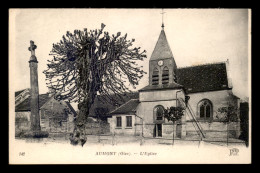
(157, 130)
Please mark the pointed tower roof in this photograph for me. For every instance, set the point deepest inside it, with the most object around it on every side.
(162, 49)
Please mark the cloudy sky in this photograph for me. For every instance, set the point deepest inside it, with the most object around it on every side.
(196, 36)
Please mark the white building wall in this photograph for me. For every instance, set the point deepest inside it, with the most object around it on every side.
(150, 99)
(213, 128)
(218, 99)
(167, 98)
(158, 95)
(123, 130)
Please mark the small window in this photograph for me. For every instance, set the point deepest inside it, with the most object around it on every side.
(155, 77)
(118, 122)
(129, 121)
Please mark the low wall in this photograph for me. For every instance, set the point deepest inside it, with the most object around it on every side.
(217, 130)
(22, 123)
(97, 128)
(214, 129)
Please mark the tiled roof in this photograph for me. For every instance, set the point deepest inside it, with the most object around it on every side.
(162, 87)
(162, 49)
(25, 105)
(202, 78)
(43, 98)
(100, 102)
(19, 92)
(127, 108)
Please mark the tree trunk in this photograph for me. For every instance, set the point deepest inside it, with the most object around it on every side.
(79, 133)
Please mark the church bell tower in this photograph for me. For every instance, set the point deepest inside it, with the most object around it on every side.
(162, 66)
(163, 90)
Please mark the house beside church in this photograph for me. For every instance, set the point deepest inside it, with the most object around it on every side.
(101, 109)
(55, 116)
(208, 87)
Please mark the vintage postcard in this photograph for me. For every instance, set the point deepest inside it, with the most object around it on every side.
(129, 86)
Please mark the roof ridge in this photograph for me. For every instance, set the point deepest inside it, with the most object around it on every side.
(212, 63)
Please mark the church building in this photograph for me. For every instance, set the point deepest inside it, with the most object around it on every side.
(206, 87)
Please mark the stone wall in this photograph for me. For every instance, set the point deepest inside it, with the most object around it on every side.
(58, 124)
(54, 118)
(22, 122)
(95, 128)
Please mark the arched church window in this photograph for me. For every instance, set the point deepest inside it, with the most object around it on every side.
(158, 111)
(208, 109)
(155, 77)
(205, 109)
(202, 111)
(165, 75)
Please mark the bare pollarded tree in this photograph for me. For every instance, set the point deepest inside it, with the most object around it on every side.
(86, 63)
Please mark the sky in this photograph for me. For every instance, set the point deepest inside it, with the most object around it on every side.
(195, 36)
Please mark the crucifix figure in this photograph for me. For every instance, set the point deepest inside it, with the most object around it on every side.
(32, 47)
(162, 18)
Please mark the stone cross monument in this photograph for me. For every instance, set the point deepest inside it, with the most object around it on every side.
(35, 117)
